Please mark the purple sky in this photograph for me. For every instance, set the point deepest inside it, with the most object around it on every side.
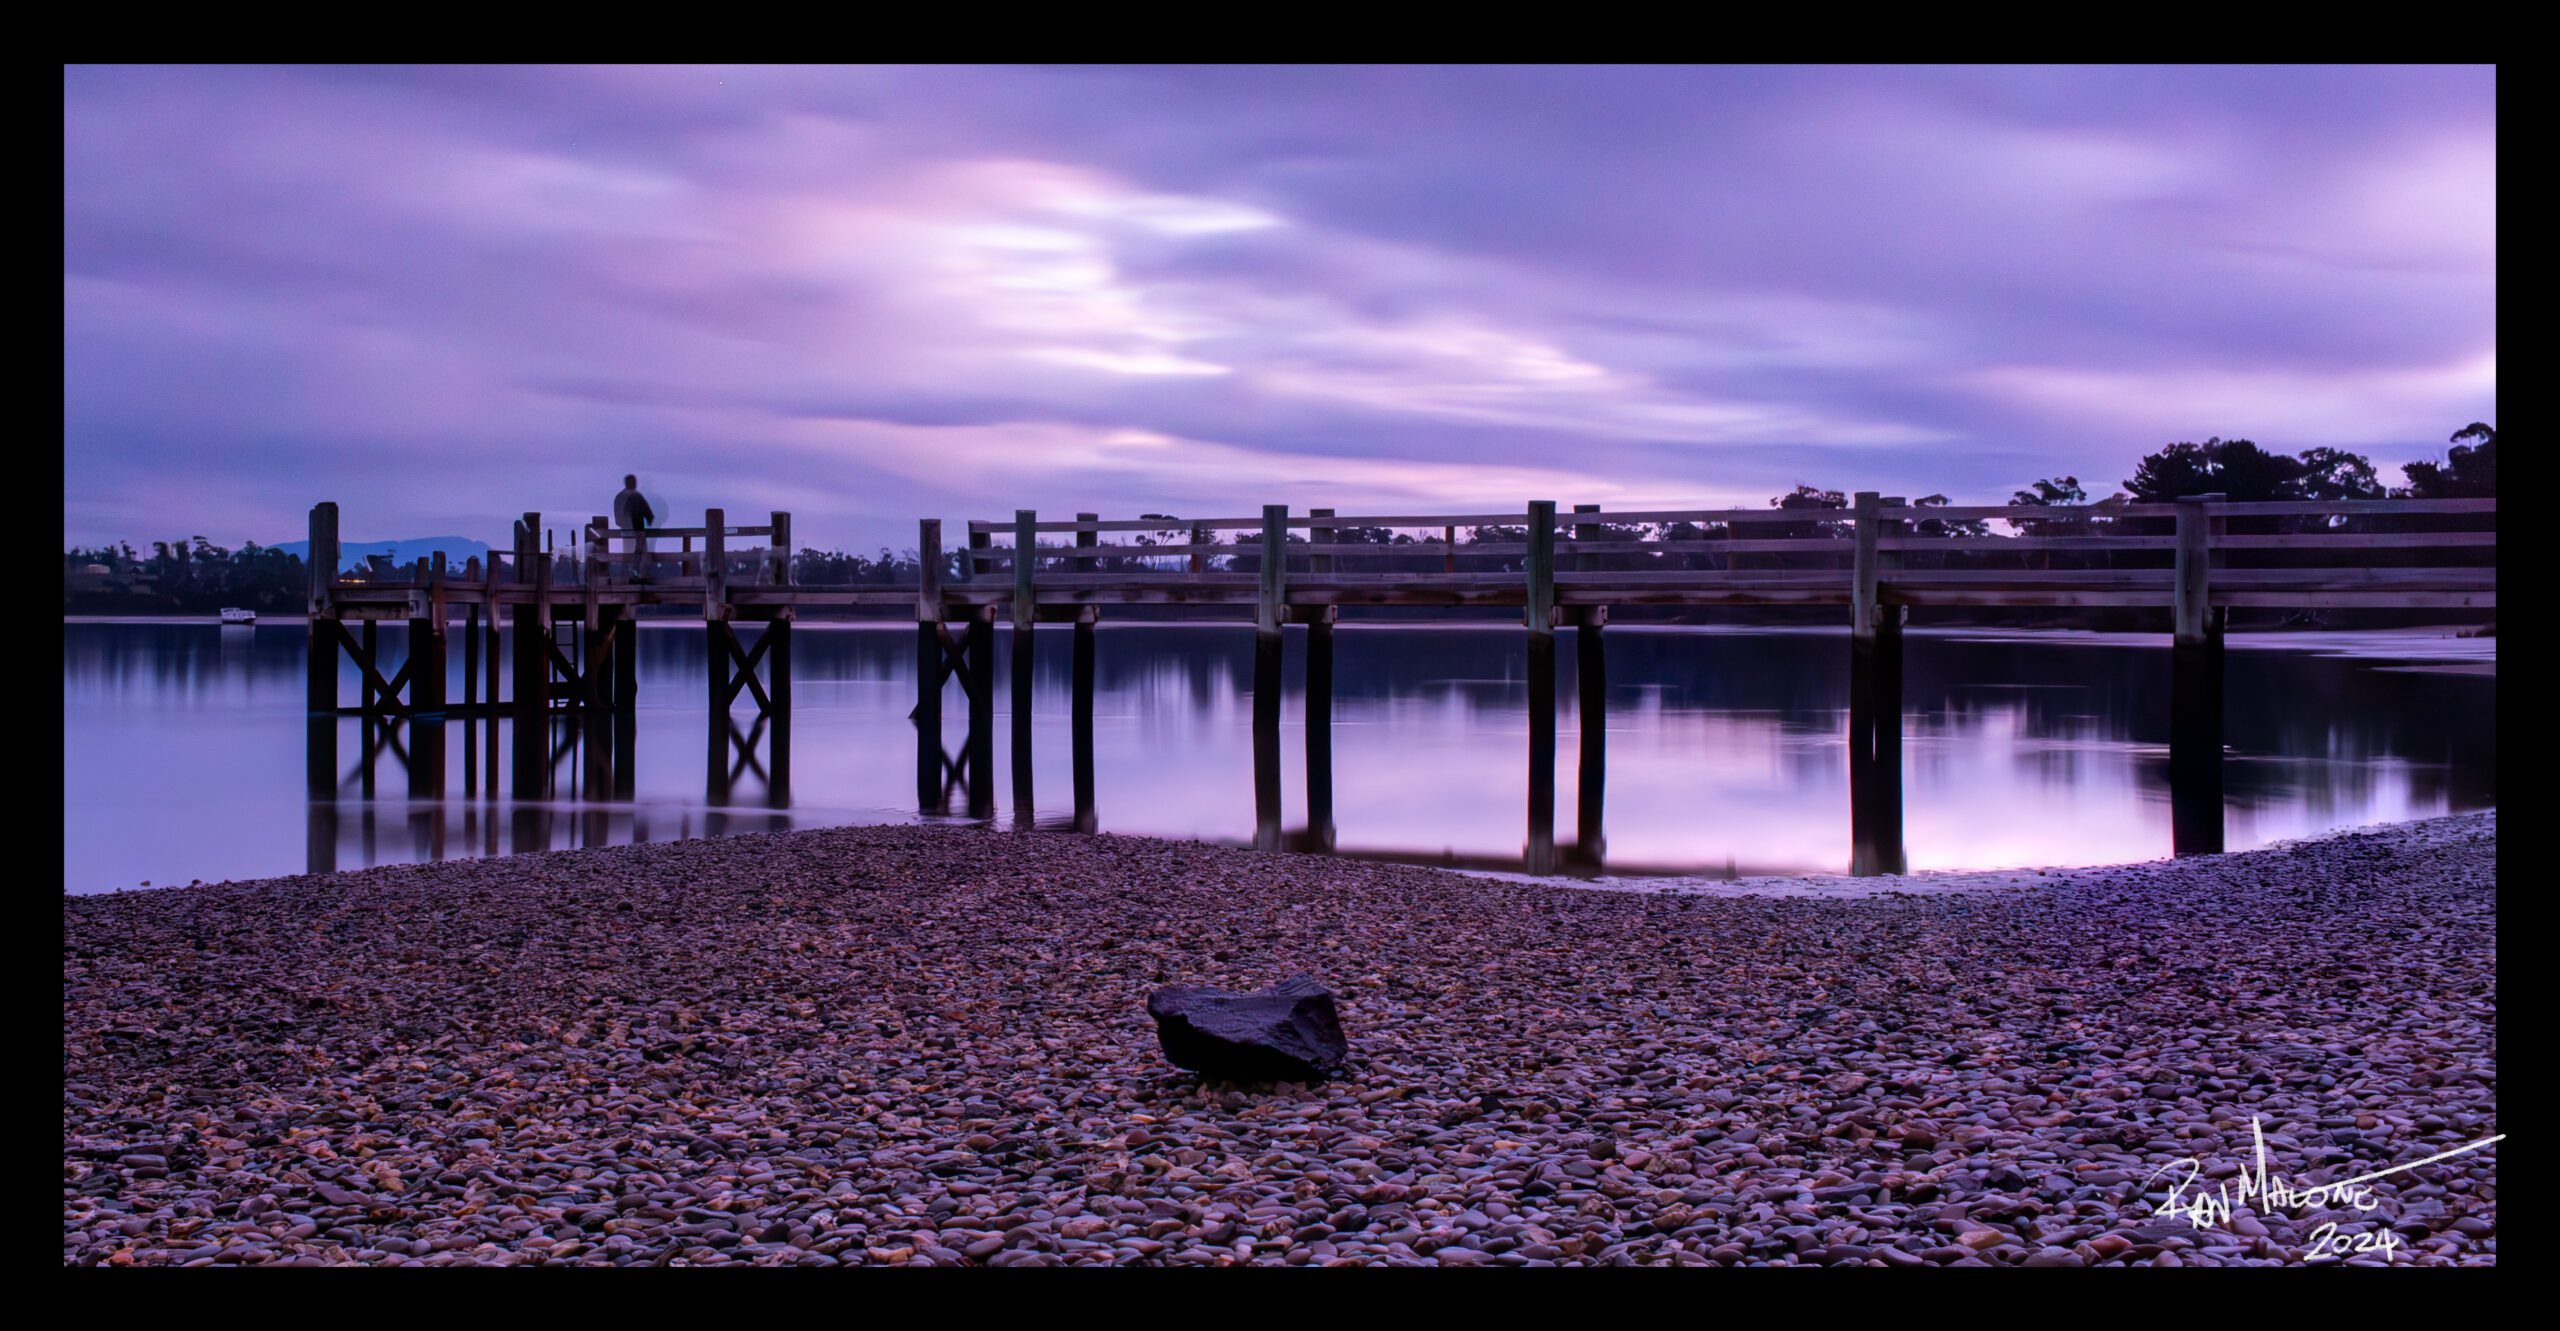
(442, 297)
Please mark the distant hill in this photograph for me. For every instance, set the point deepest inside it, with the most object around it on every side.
(351, 554)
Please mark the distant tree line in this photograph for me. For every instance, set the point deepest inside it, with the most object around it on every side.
(195, 576)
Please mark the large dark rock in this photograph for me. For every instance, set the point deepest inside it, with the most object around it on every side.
(1288, 1032)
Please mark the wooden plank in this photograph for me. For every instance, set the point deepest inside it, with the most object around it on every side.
(2367, 540)
(2413, 599)
(688, 533)
(2346, 579)
(2295, 508)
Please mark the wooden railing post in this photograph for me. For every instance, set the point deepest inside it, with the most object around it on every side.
(1086, 540)
(1541, 565)
(781, 549)
(2195, 688)
(1199, 558)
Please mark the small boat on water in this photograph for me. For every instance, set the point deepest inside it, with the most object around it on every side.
(236, 615)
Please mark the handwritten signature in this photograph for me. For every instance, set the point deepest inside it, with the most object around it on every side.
(2207, 1209)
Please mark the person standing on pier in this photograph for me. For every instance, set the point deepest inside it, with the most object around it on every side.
(631, 512)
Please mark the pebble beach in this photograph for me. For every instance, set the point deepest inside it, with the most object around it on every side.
(929, 1046)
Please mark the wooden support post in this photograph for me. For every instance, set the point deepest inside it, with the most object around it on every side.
(1080, 691)
(1026, 545)
(929, 774)
(427, 667)
(426, 758)
(531, 761)
(626, 746)
(1199, 559)
(781, 549)
(1591, 712)
(430, 664)
(532, 668)
(981, 757)
(1541, 850)
(320, 829)
(1320, 827)
(1885, 772)
(1448, 549)
(777, 669)
(320, 726)
(626, 663)
(2195, 689)
(320, 678)
(978, 547)
(471, 656)
(371, 698)
(1081, 723)
(717, 637)
(1864, 850)
(1270, 611)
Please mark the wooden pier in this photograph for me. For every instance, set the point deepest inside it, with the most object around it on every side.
(2198, 558)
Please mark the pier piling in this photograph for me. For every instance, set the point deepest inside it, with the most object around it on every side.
(1320, 620)
(1018, 706)
(1541, 563)
(1270, 612)
(1080, 688)
(2195, 688)
(1591, 681)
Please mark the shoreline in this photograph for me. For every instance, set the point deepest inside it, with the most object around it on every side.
(904, 1045)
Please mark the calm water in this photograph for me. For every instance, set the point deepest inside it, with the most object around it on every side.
(183, 747)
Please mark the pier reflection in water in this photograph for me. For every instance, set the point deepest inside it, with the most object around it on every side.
(1725, 749)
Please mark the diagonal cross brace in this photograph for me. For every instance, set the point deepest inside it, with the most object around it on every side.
(955, 655)
(746, 663)
(560, 662)
(388, 694)
(745, 747)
